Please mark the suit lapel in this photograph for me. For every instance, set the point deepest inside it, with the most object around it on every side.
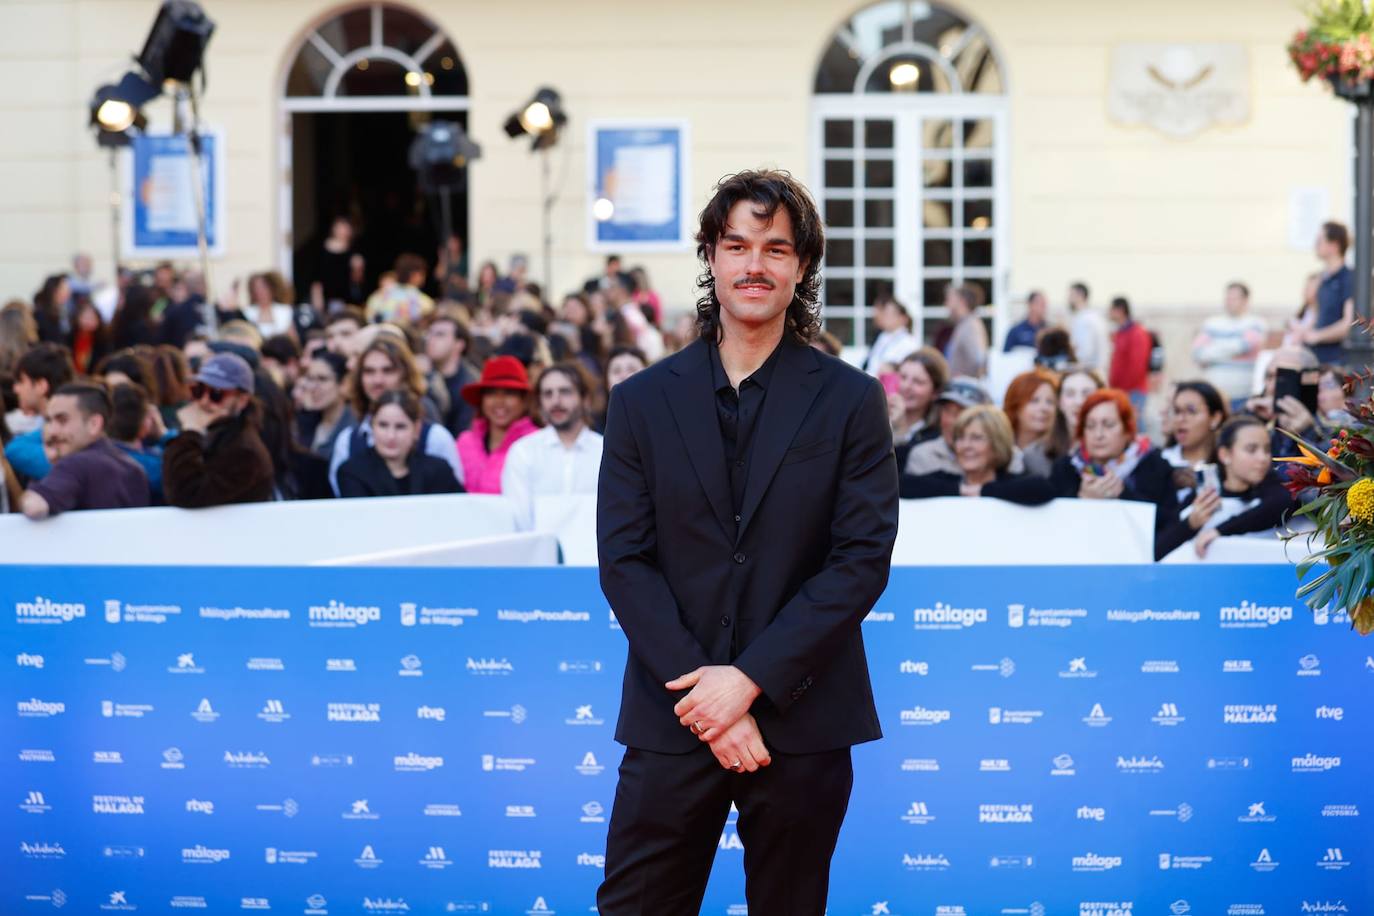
(692, 399)
(791, 391)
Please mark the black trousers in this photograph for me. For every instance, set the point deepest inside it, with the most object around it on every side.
(670, 810)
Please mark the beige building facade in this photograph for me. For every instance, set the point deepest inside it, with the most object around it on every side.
(1155, 152)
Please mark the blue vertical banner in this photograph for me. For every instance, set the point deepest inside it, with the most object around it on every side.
(1090, 742)
(637, 198)
(159, 219)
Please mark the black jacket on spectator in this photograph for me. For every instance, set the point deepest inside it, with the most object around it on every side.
(1025, 489)
(365, 474)
(1272, 503)
(779, 585)
(903, 448)
(1152, 481)
(460, 413)
(226, 464)
(180, 320)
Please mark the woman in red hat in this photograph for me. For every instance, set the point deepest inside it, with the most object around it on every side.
(501, 397)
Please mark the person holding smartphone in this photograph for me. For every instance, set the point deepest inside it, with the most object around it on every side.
(1240, 494)
(1285, 406)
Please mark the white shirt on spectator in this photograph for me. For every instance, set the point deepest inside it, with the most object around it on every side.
(279, 323)
(890, 348)
(1088, 332)
(541, 465)
(1226, 349)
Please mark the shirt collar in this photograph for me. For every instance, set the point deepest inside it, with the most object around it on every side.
(580, 444)
(761, 376)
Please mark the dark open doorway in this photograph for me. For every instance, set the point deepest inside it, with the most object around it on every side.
(354, 164)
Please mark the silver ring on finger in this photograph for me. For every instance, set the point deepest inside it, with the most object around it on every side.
(737, 765)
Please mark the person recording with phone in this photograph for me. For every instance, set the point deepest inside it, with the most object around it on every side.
(1240, 494)
(1289, 401)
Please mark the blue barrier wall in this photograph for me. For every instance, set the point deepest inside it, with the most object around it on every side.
(1092, 742)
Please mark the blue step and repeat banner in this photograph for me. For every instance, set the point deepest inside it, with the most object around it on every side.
(1089, 742)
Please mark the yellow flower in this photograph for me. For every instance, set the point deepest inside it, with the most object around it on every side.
(1360, 499)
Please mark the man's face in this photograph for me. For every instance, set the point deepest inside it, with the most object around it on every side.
(1037, 309)
(339, 335)
(30, 393)
(1324, 246)
(755, 265)
(82, 264)
(220, 402)
(954, 303)
(560, 402)
(1235, 301)
(440, 342)
(67, 429)
(1116, 316)
(1076, 300)
(379, 375)
(162, 278)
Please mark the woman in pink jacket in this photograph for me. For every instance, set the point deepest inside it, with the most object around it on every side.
(501, 397)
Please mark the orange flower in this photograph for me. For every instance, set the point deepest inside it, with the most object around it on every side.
(1324, 477)
(1305, 458)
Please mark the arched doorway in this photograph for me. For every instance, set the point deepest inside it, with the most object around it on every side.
(359, 83)
(909, 140)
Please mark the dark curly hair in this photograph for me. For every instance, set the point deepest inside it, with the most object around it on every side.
(768, 189)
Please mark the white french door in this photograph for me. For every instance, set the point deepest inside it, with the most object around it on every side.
(914, 197)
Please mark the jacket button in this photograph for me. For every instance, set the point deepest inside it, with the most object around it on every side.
(724, 621)
(739, 558)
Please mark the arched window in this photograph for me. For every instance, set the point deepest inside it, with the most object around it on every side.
(355, 88)
(376, 51)
(909, 134)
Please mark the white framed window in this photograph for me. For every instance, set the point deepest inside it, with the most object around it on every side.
(909, 141)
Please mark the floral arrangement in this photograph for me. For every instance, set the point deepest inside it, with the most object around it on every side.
(1336, 45)
(1343, 513)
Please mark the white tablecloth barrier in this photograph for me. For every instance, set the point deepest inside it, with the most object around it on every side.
(980, 532)
(468, 530)
(1242, 550)
(502, 550)
(261, 534)
(945, 532)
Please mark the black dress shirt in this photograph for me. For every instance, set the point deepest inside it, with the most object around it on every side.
(738, 414)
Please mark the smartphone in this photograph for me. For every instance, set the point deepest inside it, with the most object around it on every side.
(1297, 383)
(1208, 476)
(892, 382)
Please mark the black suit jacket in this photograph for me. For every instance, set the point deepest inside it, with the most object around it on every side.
(780, 594)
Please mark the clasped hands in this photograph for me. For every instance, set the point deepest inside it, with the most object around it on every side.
(717, 712)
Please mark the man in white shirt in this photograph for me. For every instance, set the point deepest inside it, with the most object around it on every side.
(1087, 330)
(1228, 344)
(562, 458)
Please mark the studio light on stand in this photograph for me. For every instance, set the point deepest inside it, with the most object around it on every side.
(541, 118)
(116, 116)
(440, 154)
(172, 57)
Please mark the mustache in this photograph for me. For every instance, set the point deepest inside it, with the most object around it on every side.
(754, 281)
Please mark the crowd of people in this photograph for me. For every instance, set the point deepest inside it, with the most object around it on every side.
(1072, 424)
(425, 384)
(141, 392)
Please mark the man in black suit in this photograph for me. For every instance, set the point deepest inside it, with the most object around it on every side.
(746, 513)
